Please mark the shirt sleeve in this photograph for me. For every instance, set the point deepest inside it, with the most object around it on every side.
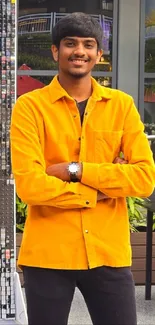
(33, 185)
(137, 178)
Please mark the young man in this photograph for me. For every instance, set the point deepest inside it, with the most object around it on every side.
(65, 139)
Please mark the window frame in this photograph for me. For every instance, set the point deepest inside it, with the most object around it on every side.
(142, 74)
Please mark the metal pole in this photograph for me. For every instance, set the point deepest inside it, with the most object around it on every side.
(148, 278)
(150, 137)
(149, 238)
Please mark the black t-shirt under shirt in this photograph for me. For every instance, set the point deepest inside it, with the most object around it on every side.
(81, 106)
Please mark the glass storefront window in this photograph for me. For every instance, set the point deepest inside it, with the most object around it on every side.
(150, 36)
(35, 23)
(149, 101)
(104, 81)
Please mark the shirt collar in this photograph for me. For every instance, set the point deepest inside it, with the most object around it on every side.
(99, 92)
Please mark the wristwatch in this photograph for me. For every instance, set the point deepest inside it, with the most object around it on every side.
(73, 169)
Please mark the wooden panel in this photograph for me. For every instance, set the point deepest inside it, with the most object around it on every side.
(17, 251)
(138, 243)
(140, 251)
(140, 264)
(139, 238)
(18, 239)
(139, 277)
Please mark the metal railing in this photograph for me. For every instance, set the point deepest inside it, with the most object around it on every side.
(43, 23)
(36, 23)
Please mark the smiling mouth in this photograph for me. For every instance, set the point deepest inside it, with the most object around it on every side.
(80, 61)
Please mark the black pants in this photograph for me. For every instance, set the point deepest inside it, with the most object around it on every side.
(108, 292)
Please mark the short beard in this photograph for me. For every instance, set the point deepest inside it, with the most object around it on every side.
(78, 75)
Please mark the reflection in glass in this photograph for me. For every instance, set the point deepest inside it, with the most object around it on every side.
(104, 81)
(29, 83)
(150, 36)
(36, 20)
(149, 101)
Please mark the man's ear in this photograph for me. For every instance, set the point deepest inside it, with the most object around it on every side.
(99, 54)
(54, 51)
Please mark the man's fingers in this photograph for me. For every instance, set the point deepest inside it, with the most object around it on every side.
(101, 196)
(119, 160)
(105, 197)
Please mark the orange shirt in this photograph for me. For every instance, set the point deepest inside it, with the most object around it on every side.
(66, 227)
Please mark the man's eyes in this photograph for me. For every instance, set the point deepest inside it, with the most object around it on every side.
(90, 46)
(72, 44)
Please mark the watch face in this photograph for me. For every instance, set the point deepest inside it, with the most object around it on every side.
(73, 168)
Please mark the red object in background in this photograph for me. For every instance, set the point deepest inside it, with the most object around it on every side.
(24, 67)
(149, 96)
(27, 83)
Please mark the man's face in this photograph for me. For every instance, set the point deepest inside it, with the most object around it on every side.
(76, 55)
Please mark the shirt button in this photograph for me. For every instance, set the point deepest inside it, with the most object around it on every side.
(86, 231)
(86, 113)
(79, 138)
(87, 202)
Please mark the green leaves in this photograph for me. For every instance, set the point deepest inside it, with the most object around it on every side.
(131, 205)
(21, 214)
(136, 212)
(21, 207)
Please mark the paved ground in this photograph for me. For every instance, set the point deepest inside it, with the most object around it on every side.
(79, 314)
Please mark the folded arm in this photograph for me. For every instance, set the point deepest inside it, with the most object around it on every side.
(137, 178)
(33, 185)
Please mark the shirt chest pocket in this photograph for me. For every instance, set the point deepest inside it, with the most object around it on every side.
(107, 145)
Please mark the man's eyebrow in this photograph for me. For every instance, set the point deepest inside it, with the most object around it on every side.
(70, 38)
(67, 38)
(90, 41)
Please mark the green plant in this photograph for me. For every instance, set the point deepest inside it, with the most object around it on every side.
(136, 212)
(21, 214)
(34, 61)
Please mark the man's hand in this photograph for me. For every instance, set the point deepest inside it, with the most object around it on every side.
(119, 160)
(101, 196)
(59, 171)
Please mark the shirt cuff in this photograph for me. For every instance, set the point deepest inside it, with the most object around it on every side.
(90, 175)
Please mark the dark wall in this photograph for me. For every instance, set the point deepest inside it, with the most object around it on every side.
(89, 6)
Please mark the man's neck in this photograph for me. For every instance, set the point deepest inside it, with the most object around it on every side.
(79, 89)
